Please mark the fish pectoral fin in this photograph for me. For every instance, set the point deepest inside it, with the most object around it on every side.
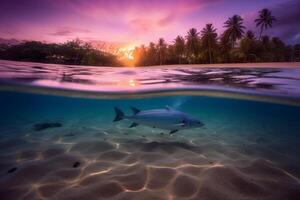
(180, 124)
(173, 131)
(133, 125)
(183, 123)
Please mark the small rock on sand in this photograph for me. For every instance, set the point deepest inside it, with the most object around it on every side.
(76, 164)
(11, 170)
(43, 126)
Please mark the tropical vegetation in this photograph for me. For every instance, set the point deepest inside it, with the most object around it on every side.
(235, 44)
(72, 52)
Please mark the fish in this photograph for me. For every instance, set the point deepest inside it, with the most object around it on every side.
(166, 119)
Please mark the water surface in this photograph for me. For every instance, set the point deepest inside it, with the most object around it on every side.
(249, 148)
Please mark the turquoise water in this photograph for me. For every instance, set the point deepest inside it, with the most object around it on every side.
(249, 146)
(221, 116)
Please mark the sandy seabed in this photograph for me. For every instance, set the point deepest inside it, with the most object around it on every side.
(90, 163)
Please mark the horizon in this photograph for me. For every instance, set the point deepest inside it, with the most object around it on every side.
(125, 23)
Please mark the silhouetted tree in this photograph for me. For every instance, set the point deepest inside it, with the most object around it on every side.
(265, 20)
(234, 28)
(209, 39)
(162, 48)
(193, 45)
(152, 54)
(179, 48)
(249, 47)
(71, 52)
(225, 46)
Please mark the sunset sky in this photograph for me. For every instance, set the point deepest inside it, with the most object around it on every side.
(134, 21)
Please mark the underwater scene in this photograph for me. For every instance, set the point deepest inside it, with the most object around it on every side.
(79, 132)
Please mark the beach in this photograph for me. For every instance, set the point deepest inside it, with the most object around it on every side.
(238, 65)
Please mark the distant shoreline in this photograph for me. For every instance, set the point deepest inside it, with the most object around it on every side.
(238, 65)
(216, 65)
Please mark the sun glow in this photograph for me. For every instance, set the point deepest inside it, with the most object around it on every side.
(132, 82)
(126, 55)
(127, 52)
(128, 83)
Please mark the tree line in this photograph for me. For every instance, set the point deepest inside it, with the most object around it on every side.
(72, 52)
(235, 44)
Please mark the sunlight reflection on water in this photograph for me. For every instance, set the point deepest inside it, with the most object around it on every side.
(262, 81)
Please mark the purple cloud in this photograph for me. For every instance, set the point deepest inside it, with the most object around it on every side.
(287, 25)
(67, 31)
(135, 21)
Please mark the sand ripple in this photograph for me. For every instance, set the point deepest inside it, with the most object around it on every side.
(137, 169)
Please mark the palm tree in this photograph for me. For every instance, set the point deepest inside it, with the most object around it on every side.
(192, 43)
(151, 57)
(248, 46)
(209, 39)
(225, 47)
(235, 28)
(264, 20)
(162, 46)
(179, 47)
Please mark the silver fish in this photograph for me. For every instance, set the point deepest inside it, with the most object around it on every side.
(167, 119)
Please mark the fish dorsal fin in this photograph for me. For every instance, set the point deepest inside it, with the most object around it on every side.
(135, 110)
(169, 108)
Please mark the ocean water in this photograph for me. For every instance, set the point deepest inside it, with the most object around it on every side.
(248, 149)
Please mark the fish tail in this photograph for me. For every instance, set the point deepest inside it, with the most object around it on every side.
(119, 114)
